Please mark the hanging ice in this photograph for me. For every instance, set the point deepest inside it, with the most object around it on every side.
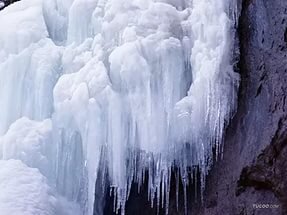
(127, 84)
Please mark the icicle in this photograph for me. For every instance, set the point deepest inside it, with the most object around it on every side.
(138, 86)
(177, 188)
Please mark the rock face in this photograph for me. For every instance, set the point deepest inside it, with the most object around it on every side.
(253, 170)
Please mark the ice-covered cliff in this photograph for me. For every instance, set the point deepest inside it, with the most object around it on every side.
(114, 86)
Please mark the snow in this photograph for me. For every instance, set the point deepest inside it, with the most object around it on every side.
(25, 173)
(21, 24)
(26, 140)
(24, 191)
(129, 82)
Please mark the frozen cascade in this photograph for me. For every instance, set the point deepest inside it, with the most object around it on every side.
(128, 84)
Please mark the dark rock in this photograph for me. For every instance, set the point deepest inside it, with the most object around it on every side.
(269, 170)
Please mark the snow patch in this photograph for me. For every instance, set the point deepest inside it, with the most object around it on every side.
(24, 191)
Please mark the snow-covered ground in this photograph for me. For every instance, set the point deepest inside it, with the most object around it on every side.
(131, 82)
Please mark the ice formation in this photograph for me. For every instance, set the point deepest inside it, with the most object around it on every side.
(125, 83)
(24, 191)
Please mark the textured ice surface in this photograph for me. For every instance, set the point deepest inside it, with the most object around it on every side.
(21, 24)
(27, 88)
(24, 191)
(29, 64)
(128, 84)
(28, 141)
(26, 173)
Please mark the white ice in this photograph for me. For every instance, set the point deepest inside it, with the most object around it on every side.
(26, 141)
(26, 173)
(129, 82)
(24, 191)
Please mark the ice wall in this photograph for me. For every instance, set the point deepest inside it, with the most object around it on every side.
(128, 84)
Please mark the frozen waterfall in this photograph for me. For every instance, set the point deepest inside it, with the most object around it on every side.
(115, 86)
